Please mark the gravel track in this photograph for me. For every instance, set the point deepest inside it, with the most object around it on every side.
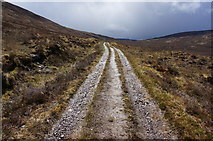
(150, 118)
(76, 111)
(109, 119)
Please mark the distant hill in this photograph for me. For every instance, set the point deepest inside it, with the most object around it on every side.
(197, 42)
(125, 39)
(183, 34)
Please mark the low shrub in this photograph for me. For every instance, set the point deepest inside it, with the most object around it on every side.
(35, 95)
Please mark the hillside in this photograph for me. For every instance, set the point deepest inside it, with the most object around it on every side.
(43, 65)
(196, 42)
(25, 23)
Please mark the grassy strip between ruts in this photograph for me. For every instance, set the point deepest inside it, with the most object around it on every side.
(87, 130)
(188, 127)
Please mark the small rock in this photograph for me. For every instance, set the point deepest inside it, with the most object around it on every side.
(70, 110)
(110, 120)
(62, 136)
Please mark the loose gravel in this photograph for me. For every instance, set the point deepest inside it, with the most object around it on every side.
(109, 120)
(151, 122)
(78, 106)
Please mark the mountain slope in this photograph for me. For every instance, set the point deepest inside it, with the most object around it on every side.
(26, 23)
(43, 65)
(184, 34)
(19, 18)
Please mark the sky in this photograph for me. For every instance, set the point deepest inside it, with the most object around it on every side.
(129, 20)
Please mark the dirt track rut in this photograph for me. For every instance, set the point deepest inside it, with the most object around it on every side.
(109, 119)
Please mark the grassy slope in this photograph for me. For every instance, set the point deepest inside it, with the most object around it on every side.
(43, 66)
(38, 98)
(181, 84)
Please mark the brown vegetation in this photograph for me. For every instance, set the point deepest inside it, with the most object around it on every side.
(43, 65)
(181, 84)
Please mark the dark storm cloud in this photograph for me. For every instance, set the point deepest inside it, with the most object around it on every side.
(140, 20)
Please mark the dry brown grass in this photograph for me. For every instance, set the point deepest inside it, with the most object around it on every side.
(178, 81)
(43, 96)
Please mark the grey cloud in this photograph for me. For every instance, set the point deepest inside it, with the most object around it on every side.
(127, 20)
